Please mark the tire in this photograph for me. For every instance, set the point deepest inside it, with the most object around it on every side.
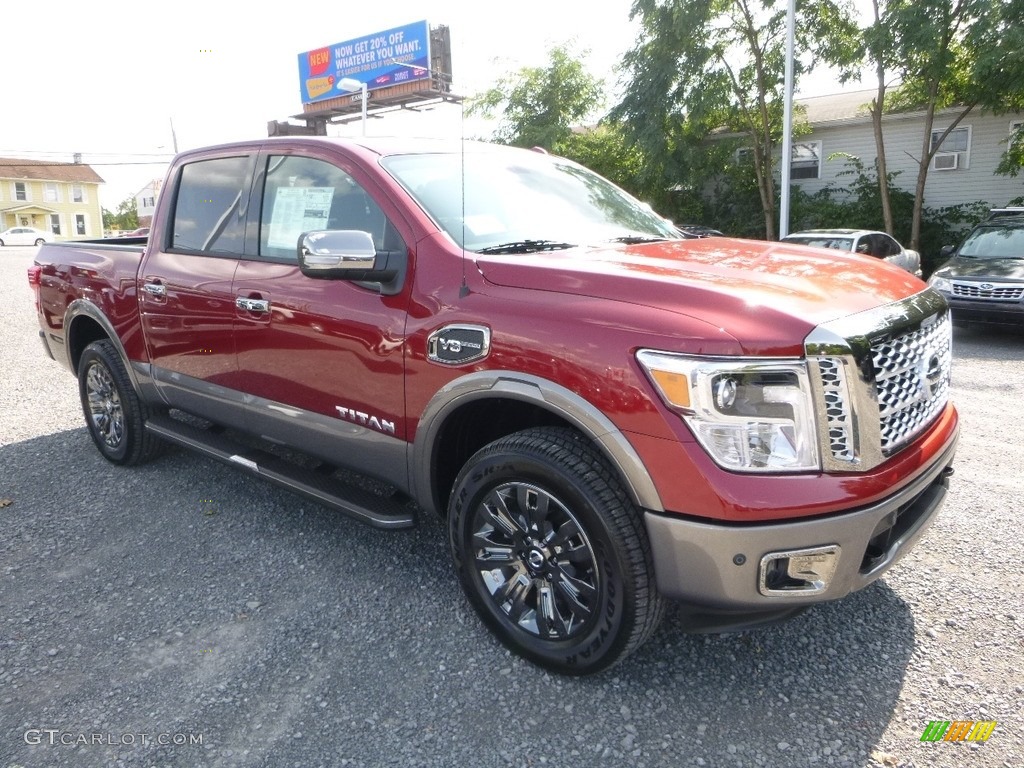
(115, 415)
(39, 241)
(1, 243)
(552, 553)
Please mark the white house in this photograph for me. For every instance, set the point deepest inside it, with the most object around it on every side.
(145, 201)
(961, 172)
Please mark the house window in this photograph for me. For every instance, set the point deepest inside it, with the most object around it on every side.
(21, 191)
(954, 152)
(77, 193)
(148, 202)
(55, 223)
(806, 161)
(80, 223)
(50, 193)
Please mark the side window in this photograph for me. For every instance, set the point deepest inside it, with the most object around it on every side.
(888, 246)
(302, 194)
(209, 212)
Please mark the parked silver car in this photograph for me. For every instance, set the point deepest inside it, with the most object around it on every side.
(866, 241)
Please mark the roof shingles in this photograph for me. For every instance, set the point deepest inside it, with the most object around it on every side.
(47, 170)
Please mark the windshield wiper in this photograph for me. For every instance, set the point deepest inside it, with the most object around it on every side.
(526, 246)
(634, 239)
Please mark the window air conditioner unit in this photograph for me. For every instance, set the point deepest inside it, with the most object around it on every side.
(947, 161)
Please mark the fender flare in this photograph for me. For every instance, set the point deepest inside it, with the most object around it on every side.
(512, 385)
(85, 308)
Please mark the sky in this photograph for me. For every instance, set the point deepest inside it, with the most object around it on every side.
(108, 78)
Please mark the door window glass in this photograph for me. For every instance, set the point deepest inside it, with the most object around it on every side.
(303, 194)
(209, 213)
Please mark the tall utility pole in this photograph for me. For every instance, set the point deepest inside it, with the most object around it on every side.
(174, 137)
(787, 121)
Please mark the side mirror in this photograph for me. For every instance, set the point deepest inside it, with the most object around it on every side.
(344, 254)
(946, 251)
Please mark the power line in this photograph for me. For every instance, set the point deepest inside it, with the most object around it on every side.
(43, 164)
(108, 154)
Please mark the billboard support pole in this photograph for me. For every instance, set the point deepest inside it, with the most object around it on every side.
(351, 85)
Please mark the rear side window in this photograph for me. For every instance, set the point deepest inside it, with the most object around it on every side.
(209, 214)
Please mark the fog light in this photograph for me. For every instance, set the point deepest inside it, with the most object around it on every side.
(800, 571)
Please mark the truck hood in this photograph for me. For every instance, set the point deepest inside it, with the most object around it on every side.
(768, 296)
(1000, 269)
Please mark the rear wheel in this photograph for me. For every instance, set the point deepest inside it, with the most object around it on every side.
(552, 553)
(40, 241)
(115, 415)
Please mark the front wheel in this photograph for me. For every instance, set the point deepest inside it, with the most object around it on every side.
(40, 241)
(552, 553)
(115, 415)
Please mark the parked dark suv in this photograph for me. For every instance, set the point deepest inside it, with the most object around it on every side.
(984, 278)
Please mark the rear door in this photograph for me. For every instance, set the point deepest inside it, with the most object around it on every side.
(321, 361)
(186, 300)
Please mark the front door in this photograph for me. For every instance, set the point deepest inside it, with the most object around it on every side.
(186, 302)
(320, 361)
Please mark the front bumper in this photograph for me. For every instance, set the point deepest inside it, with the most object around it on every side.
(730, 571)
(1007, 313)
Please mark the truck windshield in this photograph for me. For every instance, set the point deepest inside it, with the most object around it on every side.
(509, 195)
(997, 242)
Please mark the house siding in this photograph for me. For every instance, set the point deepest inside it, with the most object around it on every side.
(903, 143)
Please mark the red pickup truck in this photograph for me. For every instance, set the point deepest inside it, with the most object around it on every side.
(607, 414)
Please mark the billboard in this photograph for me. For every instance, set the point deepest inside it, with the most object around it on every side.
(380, 60)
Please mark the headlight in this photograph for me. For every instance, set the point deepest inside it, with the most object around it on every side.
(943, 284)
(750, 415)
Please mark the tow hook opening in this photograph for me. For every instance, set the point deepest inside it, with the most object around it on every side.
(800, 571)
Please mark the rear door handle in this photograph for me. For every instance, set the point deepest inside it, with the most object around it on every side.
(253, 305)
(154, 289)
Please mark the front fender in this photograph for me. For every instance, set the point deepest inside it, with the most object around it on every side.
(546, 394)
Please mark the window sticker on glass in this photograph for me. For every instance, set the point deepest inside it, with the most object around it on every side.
(298, 210)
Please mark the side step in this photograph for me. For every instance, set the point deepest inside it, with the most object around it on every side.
(369, 508)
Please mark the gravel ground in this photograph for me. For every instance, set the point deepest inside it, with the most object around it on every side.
(187, 603)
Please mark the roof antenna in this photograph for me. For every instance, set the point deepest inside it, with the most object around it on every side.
(464, 288)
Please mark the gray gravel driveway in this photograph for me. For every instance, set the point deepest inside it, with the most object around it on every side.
(185, 614)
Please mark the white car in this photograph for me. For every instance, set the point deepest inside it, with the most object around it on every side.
(866, 241)
(24, 236)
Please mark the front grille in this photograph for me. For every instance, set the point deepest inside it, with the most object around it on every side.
(880, 379)
(992, 291)
(837, 408)
(911, 381)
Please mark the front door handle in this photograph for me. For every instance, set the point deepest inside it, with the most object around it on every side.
(154, 289)
(253, 305)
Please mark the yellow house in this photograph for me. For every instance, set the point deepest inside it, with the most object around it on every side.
(60, 198)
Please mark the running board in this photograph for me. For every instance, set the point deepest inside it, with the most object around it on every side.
(366, 507)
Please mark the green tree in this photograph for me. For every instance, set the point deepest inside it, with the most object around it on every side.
(965, 54)
(1013, 159)
(538, 106)
(716, 66)
(125, 218)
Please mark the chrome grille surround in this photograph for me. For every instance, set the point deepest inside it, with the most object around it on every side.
(880, 378)
(991, 291)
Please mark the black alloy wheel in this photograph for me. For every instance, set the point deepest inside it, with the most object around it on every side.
(552, 553)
